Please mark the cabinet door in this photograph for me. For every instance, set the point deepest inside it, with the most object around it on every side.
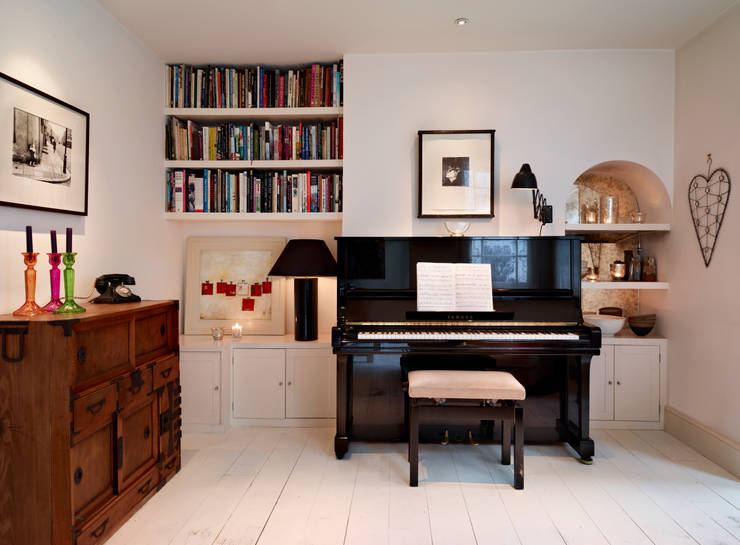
(310, 389)
(137, 441)
(637, 383)
(259, 383)
(601, 400)
(200, 378)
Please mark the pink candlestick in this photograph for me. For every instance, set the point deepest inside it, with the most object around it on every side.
(55, 276)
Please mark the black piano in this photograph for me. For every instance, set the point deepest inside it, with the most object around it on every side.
(536, 332)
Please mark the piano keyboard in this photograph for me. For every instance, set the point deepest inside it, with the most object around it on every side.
(466, 335)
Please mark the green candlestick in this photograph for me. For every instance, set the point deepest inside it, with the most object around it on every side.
(69, 306)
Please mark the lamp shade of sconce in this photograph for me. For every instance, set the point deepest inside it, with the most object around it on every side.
(525, 179)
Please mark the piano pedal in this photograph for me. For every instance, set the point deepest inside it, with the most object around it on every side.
(472, 441)
(446, 438)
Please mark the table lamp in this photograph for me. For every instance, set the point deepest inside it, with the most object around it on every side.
(305, 259)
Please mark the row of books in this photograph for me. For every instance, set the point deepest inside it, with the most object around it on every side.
(217, 190)
(316, 85)
(302, 141)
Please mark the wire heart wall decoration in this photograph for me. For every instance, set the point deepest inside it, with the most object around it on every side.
(708, 197)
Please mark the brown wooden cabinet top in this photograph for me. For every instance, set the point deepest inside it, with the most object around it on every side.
(92, 311)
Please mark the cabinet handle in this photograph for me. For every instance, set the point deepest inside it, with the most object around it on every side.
(145, 487)
(166, 372)
(95, 408)
(215, 387)
(81, 354)
(100, 530)
(609, 382)
(290, 383)
(619, 383)
(78, 475)
(161, 330)
(171, 464)
(147, 432)
(280, 383)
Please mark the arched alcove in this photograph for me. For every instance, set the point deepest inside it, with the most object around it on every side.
(635, 185)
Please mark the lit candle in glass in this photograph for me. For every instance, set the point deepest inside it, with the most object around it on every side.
(236, 331)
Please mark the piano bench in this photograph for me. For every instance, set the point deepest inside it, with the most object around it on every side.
(435, 395)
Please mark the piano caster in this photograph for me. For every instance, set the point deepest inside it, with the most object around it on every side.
(586, 461)
(446, 438)
(472, 441)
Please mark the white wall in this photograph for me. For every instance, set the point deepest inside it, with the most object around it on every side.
(76, 51)
(700, 315)
(560, 111)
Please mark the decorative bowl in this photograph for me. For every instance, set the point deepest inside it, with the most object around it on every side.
(612, 311)
(609, 324)
(642, 325)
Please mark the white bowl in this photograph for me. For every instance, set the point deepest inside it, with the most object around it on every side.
(609, 324)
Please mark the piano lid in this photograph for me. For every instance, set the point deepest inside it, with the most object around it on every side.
(376, 278)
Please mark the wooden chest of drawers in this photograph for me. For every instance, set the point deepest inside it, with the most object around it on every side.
(89, 420)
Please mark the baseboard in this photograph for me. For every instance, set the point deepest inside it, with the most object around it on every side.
(722, 450)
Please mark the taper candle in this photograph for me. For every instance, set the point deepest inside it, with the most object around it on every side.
(29, 240)
(69, 240)
(53, 235)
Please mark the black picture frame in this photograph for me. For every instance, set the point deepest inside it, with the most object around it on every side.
(44, 150)
(456, 173)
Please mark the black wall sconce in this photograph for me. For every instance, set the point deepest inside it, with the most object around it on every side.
(525, 179)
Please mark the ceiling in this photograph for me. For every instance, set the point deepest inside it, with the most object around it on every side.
(297, 31)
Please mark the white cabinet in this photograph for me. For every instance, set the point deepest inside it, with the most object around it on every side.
(283, 383)
(628, 383)
(259, 383)
(200, 379)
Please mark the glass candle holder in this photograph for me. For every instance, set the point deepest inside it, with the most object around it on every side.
(217, 333)
(609, 210)
(590, 212)
(29, 308)
(55, 276)
(649, 270)
(69, 306)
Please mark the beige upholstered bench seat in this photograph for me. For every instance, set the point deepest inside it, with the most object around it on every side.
(493, 385)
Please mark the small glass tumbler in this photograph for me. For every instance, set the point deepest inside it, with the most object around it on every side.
(609, 210)
(649, 270)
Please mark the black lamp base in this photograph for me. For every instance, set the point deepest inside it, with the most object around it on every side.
(306, 297)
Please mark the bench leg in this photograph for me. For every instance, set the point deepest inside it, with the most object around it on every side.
(519, 448)
(413, 445)
(505, 442)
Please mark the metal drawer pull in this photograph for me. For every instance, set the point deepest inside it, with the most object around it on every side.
(161, 330)
(78, 475)
(147, 432)
(100, 530)
(166, 372)
(171, 464)
(95, 408)
(145, 487)
(82, 354)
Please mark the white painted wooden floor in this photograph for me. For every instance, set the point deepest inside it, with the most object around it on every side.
(284, 486)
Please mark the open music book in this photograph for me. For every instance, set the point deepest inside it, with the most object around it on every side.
(453, 287)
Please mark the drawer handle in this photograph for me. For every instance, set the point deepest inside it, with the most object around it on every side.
(100, 530)
(161, 330)
(135, 389)
(147, 432)
(95, 408)
(136, 382)
(78, 475)
(82, 354)
(145, 487)
(170, 464)
(166, 372)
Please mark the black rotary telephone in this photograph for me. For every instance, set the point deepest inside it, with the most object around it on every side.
(112, 289)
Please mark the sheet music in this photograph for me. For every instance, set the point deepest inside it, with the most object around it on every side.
(453, 286)
(435, 286)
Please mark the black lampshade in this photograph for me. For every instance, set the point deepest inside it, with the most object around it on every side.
(524, 179)
(305, 257)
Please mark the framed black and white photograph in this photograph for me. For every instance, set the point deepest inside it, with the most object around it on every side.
(456, 174)
(43, 150)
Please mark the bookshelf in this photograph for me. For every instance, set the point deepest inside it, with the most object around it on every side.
(309, 137)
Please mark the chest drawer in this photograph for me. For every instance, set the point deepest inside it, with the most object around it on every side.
(101, 349)
(166, 370)
(91, 411)
(135, 388)
(152, 335)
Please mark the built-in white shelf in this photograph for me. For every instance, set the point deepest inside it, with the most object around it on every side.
(612, 232)
(324, 164)
(255, 216)
(625, 285)
(228, 114)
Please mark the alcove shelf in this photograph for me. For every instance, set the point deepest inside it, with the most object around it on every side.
(608, 285)
(230, 114)
(272, 164)
(614, 232)
(294, 217)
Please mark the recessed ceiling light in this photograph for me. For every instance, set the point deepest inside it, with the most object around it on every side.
(460, 21)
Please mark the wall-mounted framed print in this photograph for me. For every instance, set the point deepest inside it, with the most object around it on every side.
(456, 174)
(43, 150)
(226, 282)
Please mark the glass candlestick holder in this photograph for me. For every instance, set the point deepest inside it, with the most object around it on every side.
(55, 276)
(29, 308)
(69, 306)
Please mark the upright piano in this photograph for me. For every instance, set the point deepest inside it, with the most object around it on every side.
(536, 332)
